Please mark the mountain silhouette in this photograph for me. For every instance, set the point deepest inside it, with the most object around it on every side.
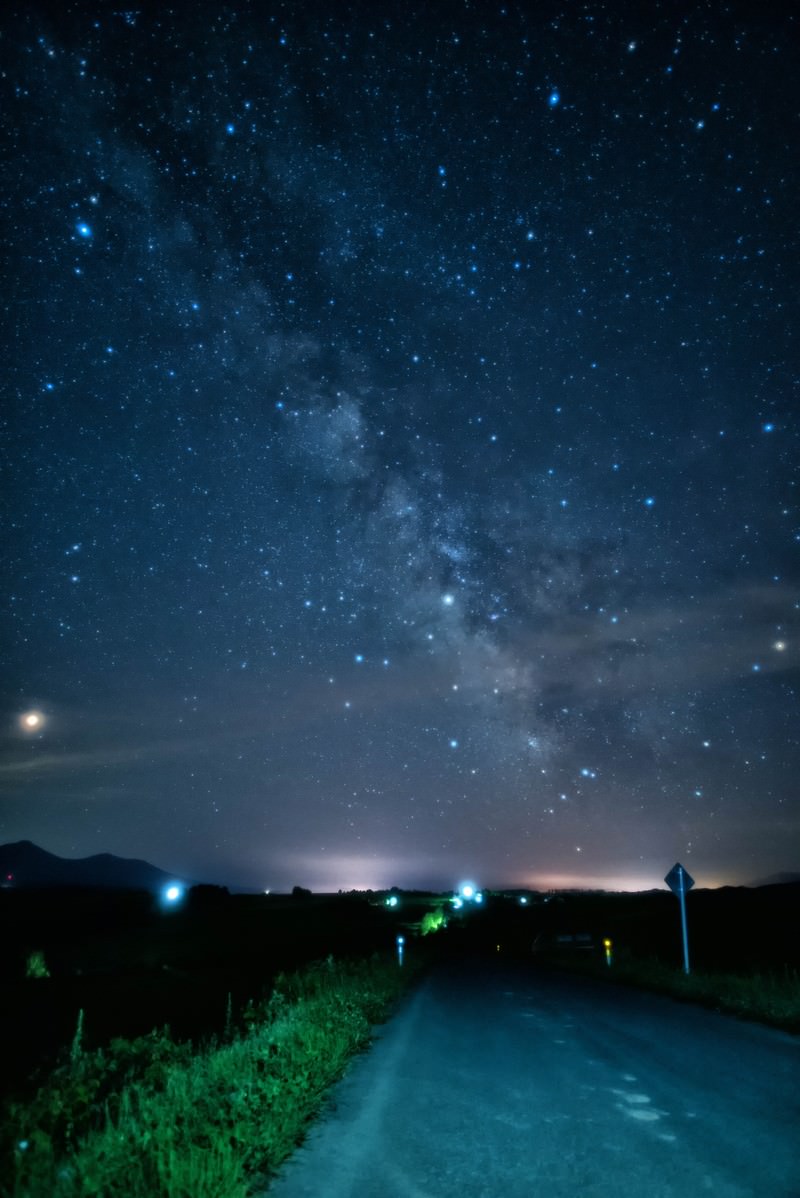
(23, 865)
(788, 878)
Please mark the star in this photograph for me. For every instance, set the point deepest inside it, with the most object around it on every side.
(31, 721)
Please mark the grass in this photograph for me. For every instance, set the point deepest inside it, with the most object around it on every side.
(771, 998)
(154, 1119)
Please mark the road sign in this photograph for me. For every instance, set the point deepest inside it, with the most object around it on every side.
(679, 880)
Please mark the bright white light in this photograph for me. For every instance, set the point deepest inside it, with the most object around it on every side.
(467, 891)
(448, 600)
(31, 721)
(479, 897)
(172, 894)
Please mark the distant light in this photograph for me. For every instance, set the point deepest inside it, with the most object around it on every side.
(769, 427)
(554, 99)
(523, 901)
(391, 900)
(448, 600)
(83, 230)
(467, 891)
(457, 903)
(478, 897)
(173, 893)
(650, 501)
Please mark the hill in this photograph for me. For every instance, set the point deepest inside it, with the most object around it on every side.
(23, 865)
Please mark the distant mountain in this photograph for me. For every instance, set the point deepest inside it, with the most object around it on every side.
(23, 865)
(788, 877)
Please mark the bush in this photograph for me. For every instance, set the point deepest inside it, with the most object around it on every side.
(152, 1119)
(36, 966)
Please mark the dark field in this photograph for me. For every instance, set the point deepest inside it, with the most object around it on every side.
(132, 966)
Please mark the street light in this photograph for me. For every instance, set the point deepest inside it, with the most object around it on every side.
(172, 894)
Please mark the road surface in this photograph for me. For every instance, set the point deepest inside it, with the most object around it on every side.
(505, 1081)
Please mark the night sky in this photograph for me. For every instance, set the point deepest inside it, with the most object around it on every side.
(401, 440)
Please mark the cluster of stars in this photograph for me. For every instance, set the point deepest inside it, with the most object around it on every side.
(393, 355)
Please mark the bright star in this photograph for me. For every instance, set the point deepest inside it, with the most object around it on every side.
(31, 721)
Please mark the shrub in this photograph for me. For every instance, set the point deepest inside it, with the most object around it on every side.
(152, 1119)
(35, 966)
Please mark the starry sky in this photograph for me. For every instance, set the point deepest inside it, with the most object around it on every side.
(400, 440)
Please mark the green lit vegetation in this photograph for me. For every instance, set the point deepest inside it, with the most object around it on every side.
(432, 921)
(150, 1118)
(35, 966)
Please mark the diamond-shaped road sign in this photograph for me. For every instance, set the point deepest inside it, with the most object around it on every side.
(679, 880)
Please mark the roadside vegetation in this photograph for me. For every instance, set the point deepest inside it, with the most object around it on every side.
(771, 997)
(152, 1118)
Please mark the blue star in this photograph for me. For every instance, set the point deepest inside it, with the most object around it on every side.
(554, 99)
(83, 230)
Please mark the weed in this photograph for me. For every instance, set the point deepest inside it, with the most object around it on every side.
(152, 1119)
(772, 998)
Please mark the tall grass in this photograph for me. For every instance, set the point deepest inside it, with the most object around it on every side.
(772, 998)
(152, 1119)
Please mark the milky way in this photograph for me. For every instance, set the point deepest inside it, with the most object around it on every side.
(401, 441)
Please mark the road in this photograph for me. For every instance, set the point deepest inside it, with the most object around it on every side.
(505, 1081)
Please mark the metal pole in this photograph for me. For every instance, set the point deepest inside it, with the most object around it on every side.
(682, 897)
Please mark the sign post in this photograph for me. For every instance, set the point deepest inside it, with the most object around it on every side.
(680, 883)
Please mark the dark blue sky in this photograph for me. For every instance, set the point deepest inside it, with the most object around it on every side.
(401, 440)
